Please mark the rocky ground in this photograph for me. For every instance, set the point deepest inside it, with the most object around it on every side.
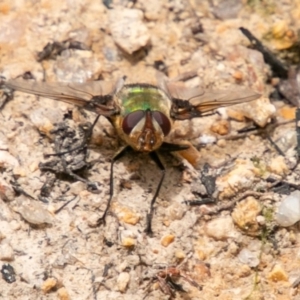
(234, 248)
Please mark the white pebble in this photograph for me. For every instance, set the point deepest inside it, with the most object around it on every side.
(128, 30)
(249, 258)
(122, 281)
(34, 212)
(289, 210)
(221, 229)
(206, 139)
(6, 251)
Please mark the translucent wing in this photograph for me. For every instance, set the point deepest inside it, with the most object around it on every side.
(94, 95)
(193, 102)
(211, 100)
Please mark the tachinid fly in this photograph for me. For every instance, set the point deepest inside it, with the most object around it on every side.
(142, 114)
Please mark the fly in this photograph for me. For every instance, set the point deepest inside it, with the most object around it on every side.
(142, 114)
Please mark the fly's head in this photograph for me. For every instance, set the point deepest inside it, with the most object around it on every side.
(144, 120)
(145, 130)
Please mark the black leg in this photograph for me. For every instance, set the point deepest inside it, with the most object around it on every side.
(89, 135)
(298, 130)
(158, 162)
(117, 156)
(274, 145)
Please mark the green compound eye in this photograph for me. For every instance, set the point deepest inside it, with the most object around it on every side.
(162, 121)
(131, 120)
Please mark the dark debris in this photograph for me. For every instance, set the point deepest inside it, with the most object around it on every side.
(8, 273)
(52, 50)
(71, 151)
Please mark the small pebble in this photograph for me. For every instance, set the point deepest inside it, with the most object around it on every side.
(279, 29)
(128, 242)
(288, 113)
(130, 218)
(227, 9)
(122, 281)
(179, 254)
(289, 210)
(63, 294)
(77, 187)
(167, 240)
(6, 251)
(176, 211)
(221, 143)
(278, 166)
(220, 127)
(48, 285)
(249, 258)
(238, 75)
(244, 271)
(221, 228)
(34, 212)
(278, 274)
(245, 215)
(201, 271)
(127, 216)
(128, 29)
(261, 220)
(287, 140)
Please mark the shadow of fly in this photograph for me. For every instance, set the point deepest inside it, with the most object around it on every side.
(142, 114)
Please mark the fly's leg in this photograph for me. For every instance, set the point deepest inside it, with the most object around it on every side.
(116, 157)
(158, 162)
(91, 128)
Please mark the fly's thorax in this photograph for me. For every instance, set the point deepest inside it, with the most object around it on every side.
(144, 120)
(134, 97)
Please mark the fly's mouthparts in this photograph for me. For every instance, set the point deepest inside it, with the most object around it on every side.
(147, 140)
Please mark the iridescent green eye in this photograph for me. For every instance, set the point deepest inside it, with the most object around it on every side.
(162, 121)
(131, 120)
